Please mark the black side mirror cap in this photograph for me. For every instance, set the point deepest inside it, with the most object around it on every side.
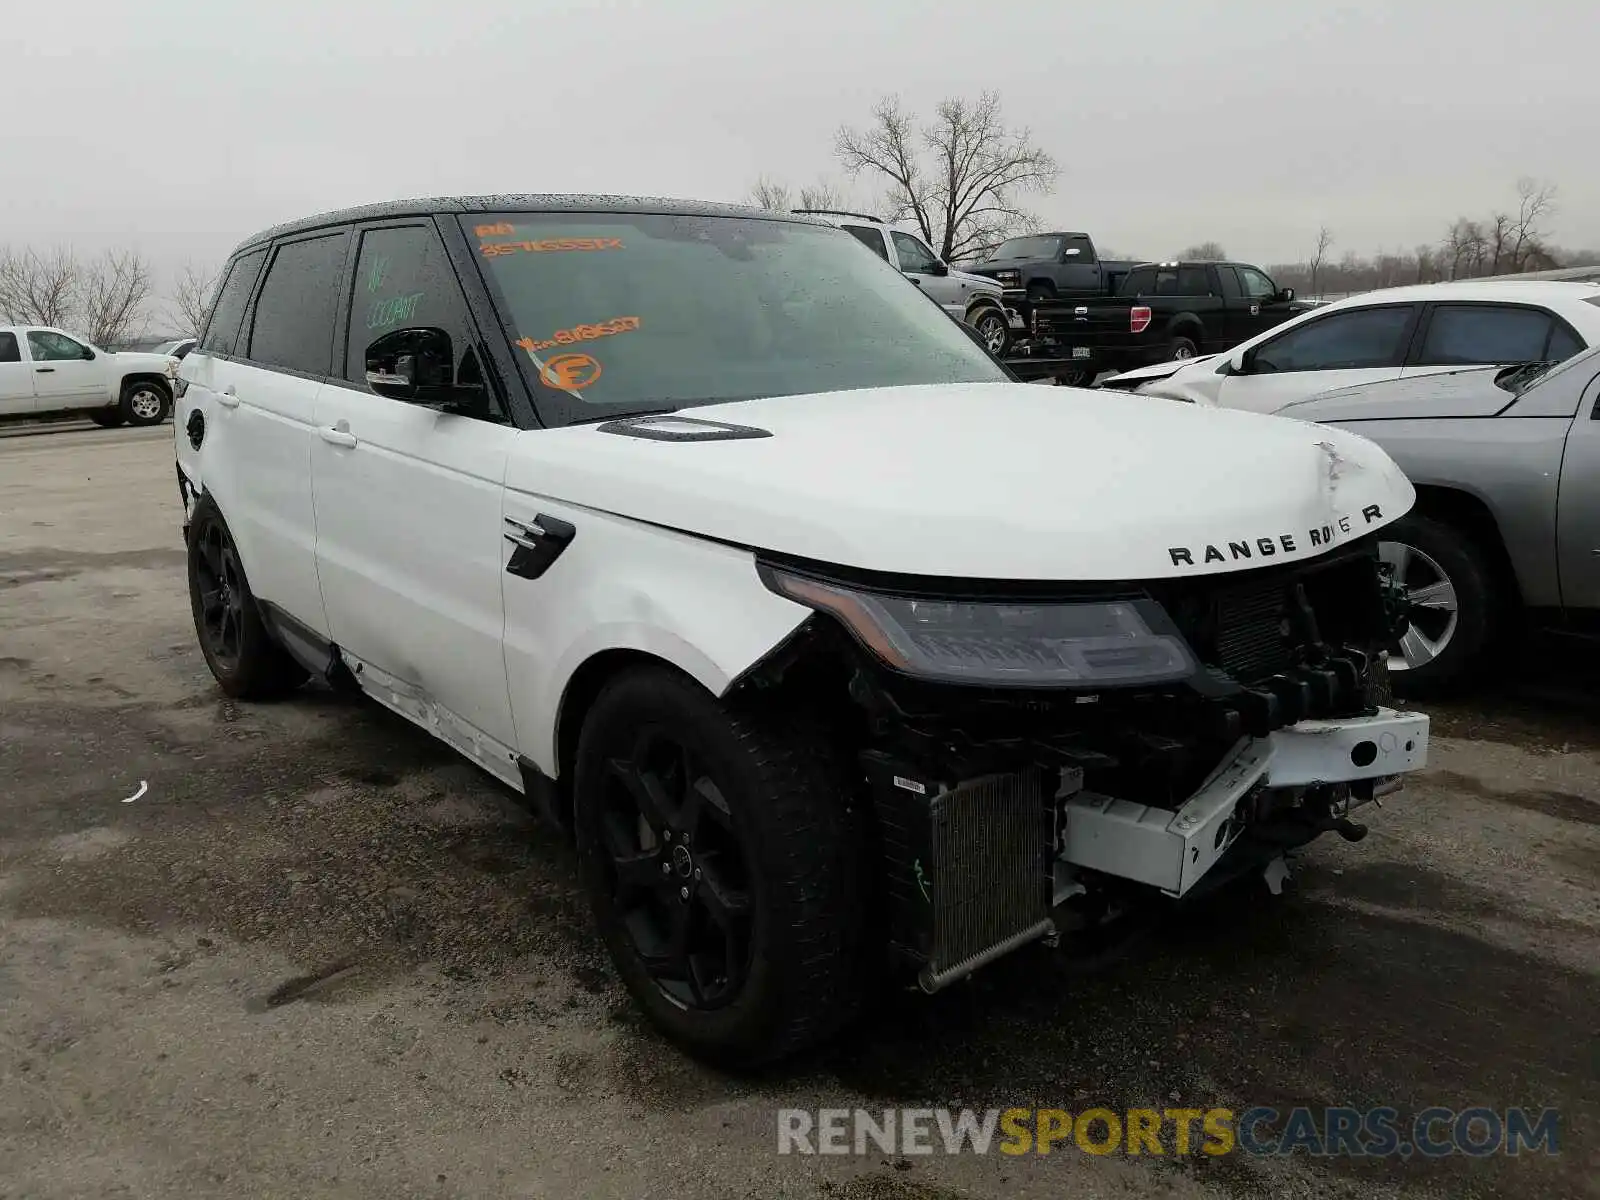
(938, 268)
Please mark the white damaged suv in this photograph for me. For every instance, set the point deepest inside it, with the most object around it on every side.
(836, 648)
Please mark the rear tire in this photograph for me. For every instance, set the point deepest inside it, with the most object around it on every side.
(107, 418)
(1454, 611)
(761, 955)
(145, 402)
(1182, 347)
(245, 660)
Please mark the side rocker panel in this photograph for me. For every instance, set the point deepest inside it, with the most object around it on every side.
(621, 585)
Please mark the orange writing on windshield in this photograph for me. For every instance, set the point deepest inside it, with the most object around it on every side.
(573, 372)
(496, 249)
(580, 333)
(503, 229)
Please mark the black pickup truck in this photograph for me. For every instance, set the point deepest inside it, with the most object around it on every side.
(1044, 266)
(1161, 312)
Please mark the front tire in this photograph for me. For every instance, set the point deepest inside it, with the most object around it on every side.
(1452, 605)
(245, 660)
(145, 402)
(721, 859)
(994, 329)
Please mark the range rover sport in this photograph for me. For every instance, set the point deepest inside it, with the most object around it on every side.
(833, 646)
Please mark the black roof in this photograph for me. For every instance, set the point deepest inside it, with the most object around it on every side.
(520, 203)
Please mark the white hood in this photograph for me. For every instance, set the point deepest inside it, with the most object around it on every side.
(988, 481)
(1161, 370)
(142, 360)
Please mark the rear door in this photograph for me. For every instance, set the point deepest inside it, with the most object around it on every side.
(1332, 350)
(16, 376)
(1489, 334)
(411, 542)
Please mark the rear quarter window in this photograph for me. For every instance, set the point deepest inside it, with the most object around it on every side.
(222, 330)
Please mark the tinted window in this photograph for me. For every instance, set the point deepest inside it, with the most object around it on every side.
(222, 330)
(408, 305)
(293, 326)
(1228, 278)
(46, 346)
(624, 312)
(1256, 285)
(872, 239)
(1141, 281)
(913, 255)
(1084, 248)
(1484, 333)
(1028, 247)
(1563, 343)
(9, 350)
(1167, 281)
(1366, 337)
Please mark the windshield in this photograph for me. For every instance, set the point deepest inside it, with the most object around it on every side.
(631, 312)
(1027, 247)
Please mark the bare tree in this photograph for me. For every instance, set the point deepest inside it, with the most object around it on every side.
(1201, 251)
(1324, 242)
(960, 178)
(1535, 202)
(116, 289)
(191, 296)
(776, 196)
(38, 289)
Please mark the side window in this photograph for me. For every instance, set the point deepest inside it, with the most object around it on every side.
(410, 336)
(9, 350)
(1256, 285)
(1193, 281)
(1363, 337)
(913, 255)
(1228, 280)
(1084, 248)
(1484, 333)
(222, 330)
(1140, 282)
(1563, 343)
(872, 239)
(293, 326)
(47, 346)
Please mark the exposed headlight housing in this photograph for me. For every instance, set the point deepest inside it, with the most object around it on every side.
(1002, 643)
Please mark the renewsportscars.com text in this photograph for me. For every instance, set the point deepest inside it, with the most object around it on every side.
(1179, 1132)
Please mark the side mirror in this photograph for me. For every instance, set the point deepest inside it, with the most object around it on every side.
(1286, 296)
(1071, 252)
(1239, 362)
(939, 268)
(413, 365)
(88, 354)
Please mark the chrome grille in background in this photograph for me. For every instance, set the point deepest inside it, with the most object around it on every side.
(988, 888)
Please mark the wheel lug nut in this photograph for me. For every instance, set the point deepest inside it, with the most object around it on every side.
(666, 835)
(697, 872)
(666, 868)
(683, 893)
(686, 839)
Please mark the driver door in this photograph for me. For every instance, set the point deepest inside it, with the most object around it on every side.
(1335, 350)
(65, 371)
(921, 265)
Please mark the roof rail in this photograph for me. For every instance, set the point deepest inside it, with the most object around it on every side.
(838, 212)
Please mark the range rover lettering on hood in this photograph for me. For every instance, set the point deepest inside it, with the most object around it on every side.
(1253, 548)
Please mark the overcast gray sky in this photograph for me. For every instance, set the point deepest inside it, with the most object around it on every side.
(181, 127)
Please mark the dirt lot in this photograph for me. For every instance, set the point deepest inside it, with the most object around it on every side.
(320, 957)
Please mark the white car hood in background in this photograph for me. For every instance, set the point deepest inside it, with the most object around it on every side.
(1162, 370)
(987, 481)
(977, 283)
(142, 360)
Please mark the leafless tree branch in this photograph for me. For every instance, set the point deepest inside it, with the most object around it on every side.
(38, 289)
(116, 289)
(191, 296)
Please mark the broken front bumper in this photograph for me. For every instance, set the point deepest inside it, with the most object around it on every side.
(1173, 850)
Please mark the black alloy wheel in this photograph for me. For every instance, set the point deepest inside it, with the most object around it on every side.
(221, 593)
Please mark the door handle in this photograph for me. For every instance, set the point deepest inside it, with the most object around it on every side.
(44, 370)
(338, 435)
(226, 398)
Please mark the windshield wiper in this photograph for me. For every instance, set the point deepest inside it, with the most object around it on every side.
(623, 416)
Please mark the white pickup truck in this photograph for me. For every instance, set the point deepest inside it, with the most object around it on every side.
(44, 370)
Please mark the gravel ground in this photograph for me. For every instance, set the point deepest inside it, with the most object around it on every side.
(319, 956)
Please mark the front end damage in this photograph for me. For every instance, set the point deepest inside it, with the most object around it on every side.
(1042, 759)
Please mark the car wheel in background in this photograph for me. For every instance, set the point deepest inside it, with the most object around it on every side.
(1182, 347)
(994, 329)
(721, 859)
(107, 418)
(145, 403)
(1451, 605)
(247, 663)
(1076, 377)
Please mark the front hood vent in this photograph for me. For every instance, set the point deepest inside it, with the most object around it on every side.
(667, 427)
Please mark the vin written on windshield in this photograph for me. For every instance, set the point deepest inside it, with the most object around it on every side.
(616, 313)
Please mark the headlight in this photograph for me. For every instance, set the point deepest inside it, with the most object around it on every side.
(1021, 644)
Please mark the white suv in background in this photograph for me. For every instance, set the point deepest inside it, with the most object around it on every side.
(1391, 334)
(966, 297)
(45, 371)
